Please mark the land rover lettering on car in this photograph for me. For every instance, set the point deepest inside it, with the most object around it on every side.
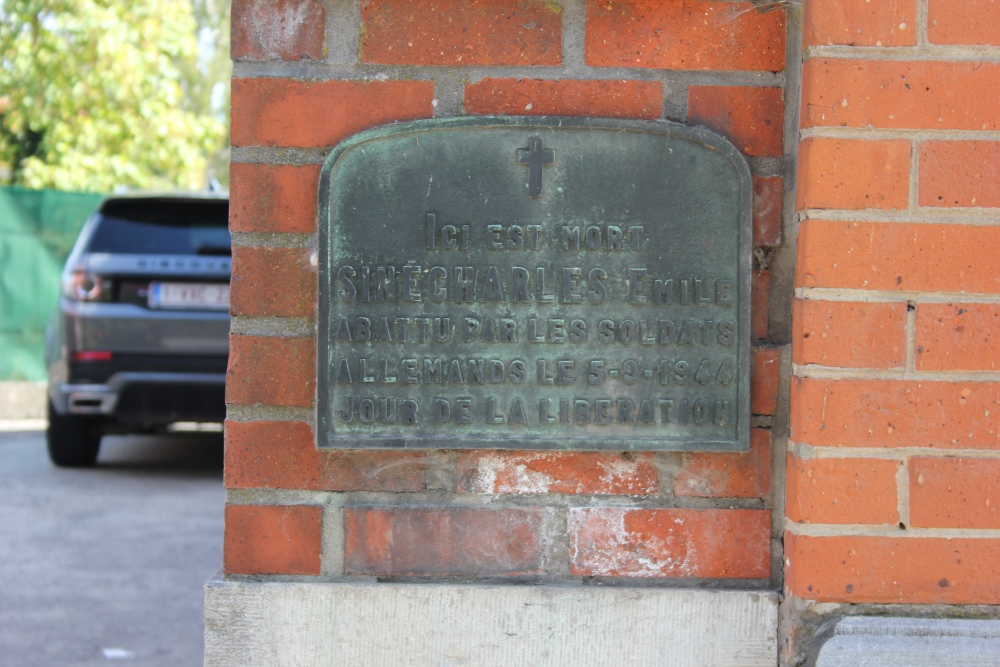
(140, 337)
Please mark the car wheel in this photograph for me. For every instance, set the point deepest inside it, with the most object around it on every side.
(73, 441)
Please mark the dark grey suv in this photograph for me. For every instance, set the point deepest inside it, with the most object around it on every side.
(140, 338)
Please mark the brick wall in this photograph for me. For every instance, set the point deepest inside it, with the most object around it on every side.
(308, 74)
(895, 403)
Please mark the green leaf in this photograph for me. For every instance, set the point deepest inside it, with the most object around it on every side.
(101, 94)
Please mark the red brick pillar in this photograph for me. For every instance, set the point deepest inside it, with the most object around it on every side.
(895, 405)
(308, 75)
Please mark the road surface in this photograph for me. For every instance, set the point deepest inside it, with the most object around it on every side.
(105, 566)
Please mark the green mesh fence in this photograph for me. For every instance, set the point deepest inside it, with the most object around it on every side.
(37, 232)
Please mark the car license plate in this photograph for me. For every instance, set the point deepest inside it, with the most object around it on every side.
(194, 296)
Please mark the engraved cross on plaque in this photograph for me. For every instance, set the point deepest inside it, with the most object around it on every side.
(536, 157)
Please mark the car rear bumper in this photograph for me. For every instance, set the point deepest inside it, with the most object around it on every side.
(147, 398)
(126, 328)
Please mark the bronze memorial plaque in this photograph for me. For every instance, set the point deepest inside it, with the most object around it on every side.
(535, 283)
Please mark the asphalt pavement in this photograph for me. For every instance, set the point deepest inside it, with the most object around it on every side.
(105, 566)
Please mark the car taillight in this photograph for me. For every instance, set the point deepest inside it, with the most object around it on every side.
(90, 355)
(83, 286)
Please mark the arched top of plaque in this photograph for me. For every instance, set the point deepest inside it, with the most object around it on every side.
(534, 283)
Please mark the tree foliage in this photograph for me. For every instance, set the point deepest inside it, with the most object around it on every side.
(101, 94)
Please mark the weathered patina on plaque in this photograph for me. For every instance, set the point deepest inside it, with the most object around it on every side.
(546, 283)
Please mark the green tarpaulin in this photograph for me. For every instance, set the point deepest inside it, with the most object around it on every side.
(37, 232)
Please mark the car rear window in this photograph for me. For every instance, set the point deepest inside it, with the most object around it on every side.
(162, 227)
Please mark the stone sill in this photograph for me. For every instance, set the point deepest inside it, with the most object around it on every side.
(305, 624)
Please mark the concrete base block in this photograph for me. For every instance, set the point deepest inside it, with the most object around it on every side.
(22, 400)
(360, 625)
(863, 641)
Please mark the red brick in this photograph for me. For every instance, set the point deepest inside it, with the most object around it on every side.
(962, 336)
(263, 539)
(750, 117)
(767, 193)
(924, 94)
(685, 35)
(728, 474)
(273, 198)
(861, 23)
(760, 295)
(277, 30)
(898, 256)
(960, 173)
(271, 371)
(954, 493)
(764, 381)
(283, 455)
(623, 542)
(461, 32)
(534, 97)
(273, 281)
(853, 174)
(895, 413)
(882, 570)
(848, 334)
(963, 22)
(556, 472)
(841, 491)
(315, 114)
(458, 541)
